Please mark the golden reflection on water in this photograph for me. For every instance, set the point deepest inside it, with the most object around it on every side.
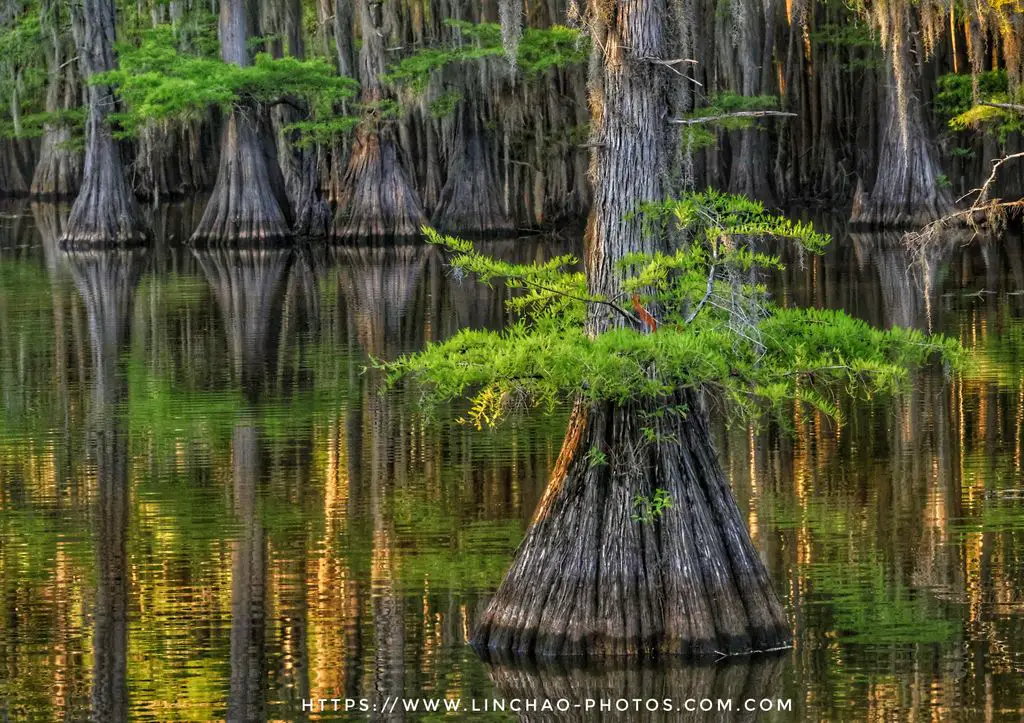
(208, 510)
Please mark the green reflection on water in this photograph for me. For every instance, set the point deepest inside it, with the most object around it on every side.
(291, 532)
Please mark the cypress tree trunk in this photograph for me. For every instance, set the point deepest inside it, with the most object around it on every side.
(249, 203)
(470, 202)
(105, 211)
(377, 199)
(588, 579)
(907, 191)
(58, 172)
(298, 165)
(748, 59)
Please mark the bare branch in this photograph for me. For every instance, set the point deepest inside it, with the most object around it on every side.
(671, 65)
(735, 114)
(981, 207)
(632, 319)
(704, 300)
(1015, 107)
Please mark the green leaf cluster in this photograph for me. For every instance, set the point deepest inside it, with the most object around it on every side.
(718, 330)
(159, 81)
(22, 68)
(954, 103)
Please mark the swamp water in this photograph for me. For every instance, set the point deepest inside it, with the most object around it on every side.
(207, 510)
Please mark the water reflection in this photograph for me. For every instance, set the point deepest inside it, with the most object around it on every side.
(248, 580)
(106, 282)
(248, 285)
(670, 691)
(198, 476)
(909, 279)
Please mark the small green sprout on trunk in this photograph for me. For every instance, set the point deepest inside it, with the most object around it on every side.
(648, 509)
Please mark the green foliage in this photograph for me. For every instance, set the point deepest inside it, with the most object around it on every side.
(34, 124)
(848, 35)
(596, 457)
(22, 69)
(955, 91)
(704, 135)
(445, 105)
(717, 329)
(539, 50)
(311, 132)
(954, 104)
(160, 82)
(648, 509)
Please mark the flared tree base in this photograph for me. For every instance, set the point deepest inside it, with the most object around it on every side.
(105, 213)
(248, 206)
(879, 211)
(104, 216)
(470, 203)
(377, 199)
(58, 174)
(600, 575)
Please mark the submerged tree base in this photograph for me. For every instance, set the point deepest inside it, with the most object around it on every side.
(600, 575)
(880, 210)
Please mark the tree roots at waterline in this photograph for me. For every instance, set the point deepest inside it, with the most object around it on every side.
(591, 580)
(105, 213)
(248, 204)
(470, 202)
(377, 200)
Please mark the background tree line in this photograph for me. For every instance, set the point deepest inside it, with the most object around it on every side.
(358, 117)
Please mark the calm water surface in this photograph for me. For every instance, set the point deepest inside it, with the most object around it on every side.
(208, 510)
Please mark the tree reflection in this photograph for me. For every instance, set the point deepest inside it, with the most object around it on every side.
(106, 281)
(249, 286)
(910, 280)
(248, 580)
(682, 686)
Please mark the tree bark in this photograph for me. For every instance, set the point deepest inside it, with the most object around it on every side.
(470, 202)
(298, 165)
(105, 211)
(589, 579)
(909, 188)
(249, 204)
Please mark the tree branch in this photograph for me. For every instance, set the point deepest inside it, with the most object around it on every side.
(1015, 107)
(735, 114)
(634, 320)
(704, 300)
(980, 205)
